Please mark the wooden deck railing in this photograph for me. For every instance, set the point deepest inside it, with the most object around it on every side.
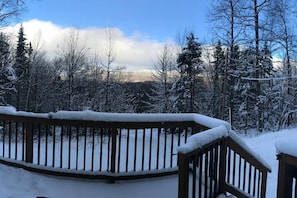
(287, 176)
(113, 146)
(220, 165)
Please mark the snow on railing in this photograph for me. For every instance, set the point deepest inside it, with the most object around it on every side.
(286, 146)
(89, 115)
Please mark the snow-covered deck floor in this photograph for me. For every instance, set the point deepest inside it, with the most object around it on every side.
(21, 183)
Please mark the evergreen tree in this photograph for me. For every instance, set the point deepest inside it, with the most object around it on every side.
(219, 80)
(189, 65)
(23, 71)
(7, 73)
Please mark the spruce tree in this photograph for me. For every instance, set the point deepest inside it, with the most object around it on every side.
(219, 82)
(23, 71)
(7, 73)
(189, 65)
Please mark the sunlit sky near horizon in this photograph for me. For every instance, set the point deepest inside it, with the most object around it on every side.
(155, 19)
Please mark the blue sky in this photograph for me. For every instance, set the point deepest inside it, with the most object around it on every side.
(141, 27)
(156, 19)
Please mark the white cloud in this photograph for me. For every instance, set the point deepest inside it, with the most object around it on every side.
(136, 52)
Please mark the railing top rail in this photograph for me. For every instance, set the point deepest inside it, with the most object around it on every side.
(118, 117)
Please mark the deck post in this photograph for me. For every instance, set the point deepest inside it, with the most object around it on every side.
(285, 178)
(29, 142)
(183, 176)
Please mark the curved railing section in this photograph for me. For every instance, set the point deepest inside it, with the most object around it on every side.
(217, 162)
(97, 145)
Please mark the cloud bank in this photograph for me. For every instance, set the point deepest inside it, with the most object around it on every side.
(135, 52)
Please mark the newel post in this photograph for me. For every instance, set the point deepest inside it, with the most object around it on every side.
(285, 178)
(183, 176)
(29, 142)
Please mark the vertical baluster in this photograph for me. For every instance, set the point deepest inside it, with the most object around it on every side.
(165, 147)
(234, 168)
(211, 170)
(135, 149)
(101, 148)
(158, 148)
(9, 139)
(54, 145)
(38, 143)
(150, 151)
(61, 147)
(108, 149)
(244, 175)
(23, 141)
(16, 141)
(239, 172)
(127, 149)
(295, 187)
(194, 177)
(119, 150)
(85, 146)
(69, 146)
(229, 165)
(77, 149)
(206, 163)
(113, 149)
(93, 149)
(216, 167)
(259, 187)
(172, 145)
(46, 144)
(186, 133)
(143, 150)
(254, 181)
(3, 138)
(200, 160)
(250, 178)
(179, 134)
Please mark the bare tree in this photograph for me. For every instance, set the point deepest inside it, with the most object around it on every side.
(107, 66)
(164, 74)
(10, 9)
(283, 37)
(73, 55)
(225, 17)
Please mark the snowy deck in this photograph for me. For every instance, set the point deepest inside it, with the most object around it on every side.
(131, 146)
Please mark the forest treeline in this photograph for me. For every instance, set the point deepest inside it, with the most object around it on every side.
(247, 76)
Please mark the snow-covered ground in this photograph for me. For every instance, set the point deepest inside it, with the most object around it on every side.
(19, 183)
